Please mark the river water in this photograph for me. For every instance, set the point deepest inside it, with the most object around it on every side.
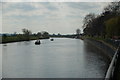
(61, 58)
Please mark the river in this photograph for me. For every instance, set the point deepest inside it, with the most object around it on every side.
(61, 58)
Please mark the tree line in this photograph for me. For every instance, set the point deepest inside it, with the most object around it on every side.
(40, 35)
(25, 36)
(106, 24)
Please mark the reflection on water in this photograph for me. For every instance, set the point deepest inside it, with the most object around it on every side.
(95, 60)
(62, 58)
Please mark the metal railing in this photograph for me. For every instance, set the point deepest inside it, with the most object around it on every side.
(111, 69)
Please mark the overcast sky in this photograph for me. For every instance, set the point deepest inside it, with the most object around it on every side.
(54, 17)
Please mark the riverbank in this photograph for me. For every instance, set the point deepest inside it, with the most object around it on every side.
(10, 39)
(108, 49)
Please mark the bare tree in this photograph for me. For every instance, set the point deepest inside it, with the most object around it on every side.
(26, 33)
(78, 31)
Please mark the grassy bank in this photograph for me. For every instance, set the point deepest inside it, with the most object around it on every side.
(113, 44)
(109, 42)
(107, 50)
(10, 39)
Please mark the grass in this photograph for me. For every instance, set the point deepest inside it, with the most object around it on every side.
(18, 38)
(106, 41)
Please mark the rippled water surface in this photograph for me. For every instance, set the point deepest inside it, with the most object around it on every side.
(61, 58)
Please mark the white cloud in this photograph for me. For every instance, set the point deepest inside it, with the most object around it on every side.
(10, 10)
(53, 17)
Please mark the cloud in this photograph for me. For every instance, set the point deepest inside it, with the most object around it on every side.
(53, 17)
(23, 9)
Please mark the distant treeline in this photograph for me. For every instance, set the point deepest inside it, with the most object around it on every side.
(106, 24)
(65, 36)
(26, 36)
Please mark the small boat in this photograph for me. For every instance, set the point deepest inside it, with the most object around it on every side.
(52, 39)
(37, 42)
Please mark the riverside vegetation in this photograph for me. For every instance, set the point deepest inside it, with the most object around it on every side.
(26, 36)
(104, 27)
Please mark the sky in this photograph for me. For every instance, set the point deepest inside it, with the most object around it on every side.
(54, 17)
